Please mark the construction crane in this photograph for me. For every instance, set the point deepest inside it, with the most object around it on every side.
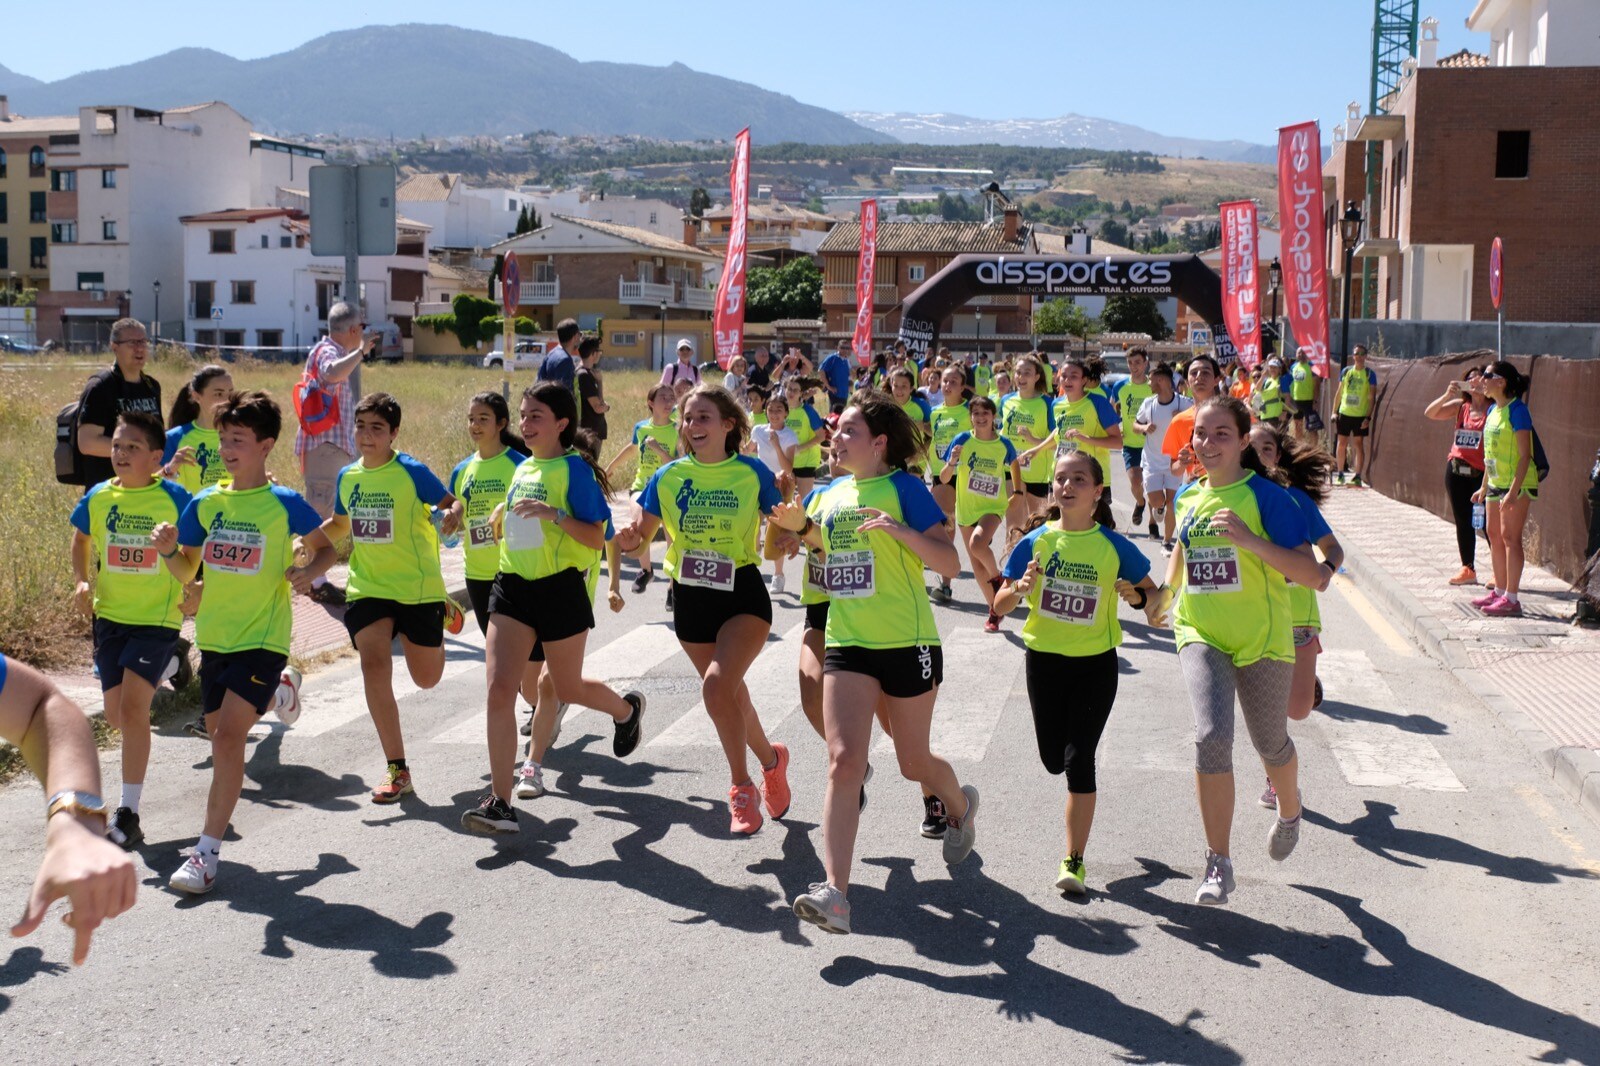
(1394, 40)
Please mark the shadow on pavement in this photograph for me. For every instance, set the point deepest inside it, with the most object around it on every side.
(271, 782)
(971, 920)
(1406, 723)
(1376, 832)
(1344, 961)
(23, 966)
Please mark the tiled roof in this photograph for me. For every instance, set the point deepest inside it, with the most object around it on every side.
(17, 126)
(467, 276)
(421, 187)
(245, 214)
(189, 108)
(773, 212)
(648, 238)
(1056, 244)
(1464, 58)
(899, 238)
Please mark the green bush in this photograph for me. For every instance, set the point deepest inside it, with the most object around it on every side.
(492, 327)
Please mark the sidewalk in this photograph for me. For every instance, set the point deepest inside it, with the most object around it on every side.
(1539, 673)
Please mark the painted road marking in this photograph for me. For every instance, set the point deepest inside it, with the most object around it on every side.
(335, 701)
(1372, 616)
(773, 681)
(980, 670)
(1370, 754)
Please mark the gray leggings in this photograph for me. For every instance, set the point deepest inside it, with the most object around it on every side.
(1263, 690)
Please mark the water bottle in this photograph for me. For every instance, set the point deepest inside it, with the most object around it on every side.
(1477, 515)
(451, 541)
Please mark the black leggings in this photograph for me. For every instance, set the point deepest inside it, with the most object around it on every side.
(1071, 698)
(1460, 487)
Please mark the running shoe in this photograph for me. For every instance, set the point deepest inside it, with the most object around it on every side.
(775, 783)
(530, 781)
(286, 701)
(962, 832)
(992, 623)
(1504, 608)
(941, 593)
(640, 582)
(454, 620)
(562, 706)
(744, 809)
(1356, 481)
(1341, 477)
(933, 823)
(626, 734)
(123, 829)
(669, 598)
(328, 594)
(491, 816)
(1138, 513)
(1466, 576)
(396, 783)
(1154, 528)
(1070, 877)
(825, 907)
(1217, 882)
(1283, 836)
(1487, 598)
(1167, 546)
(777, 584)
(197, 728)
(526, 728)
(1316, 696)
(864, 781)
(194, 876)
(1269, 798)
(181, 669)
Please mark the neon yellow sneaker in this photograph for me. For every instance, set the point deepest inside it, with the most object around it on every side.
(1069, 877)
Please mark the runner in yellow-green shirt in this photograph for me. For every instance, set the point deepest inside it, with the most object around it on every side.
(1353, 411)
(1027, 416)
(951, 418)
(655, 442)
(983, 468)
(1129, 396)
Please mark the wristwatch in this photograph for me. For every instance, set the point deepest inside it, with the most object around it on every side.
(86, 803)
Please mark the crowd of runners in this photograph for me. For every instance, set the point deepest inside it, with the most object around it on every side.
(875, 483)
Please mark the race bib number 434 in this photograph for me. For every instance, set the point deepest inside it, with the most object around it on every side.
(1212, 569)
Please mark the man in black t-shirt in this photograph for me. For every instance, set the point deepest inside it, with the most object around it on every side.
(125, 387)
(592, 406)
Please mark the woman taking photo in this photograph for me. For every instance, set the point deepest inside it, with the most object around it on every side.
(1510, 484)
(1465, 404)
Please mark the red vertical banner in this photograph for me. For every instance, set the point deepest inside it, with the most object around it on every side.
(1241, 289)
(862, 344)
(728, 321)
(1304, 238)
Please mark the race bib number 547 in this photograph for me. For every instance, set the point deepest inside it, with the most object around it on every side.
(234, 551)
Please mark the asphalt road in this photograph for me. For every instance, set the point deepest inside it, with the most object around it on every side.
(1440, 907)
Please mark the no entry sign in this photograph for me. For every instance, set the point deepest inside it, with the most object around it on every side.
(1496, 278)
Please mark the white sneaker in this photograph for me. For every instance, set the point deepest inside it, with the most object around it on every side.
(777, 584)
(194, 876)
(824, 906)
(286, 702)
(530, 781)
(1217, 882)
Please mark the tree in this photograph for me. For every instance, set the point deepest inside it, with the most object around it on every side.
(1114, 231)
(1134, 314)
(522, 220)
(1061, 316)
(1127, 207)
(699, 202)
(790, 291)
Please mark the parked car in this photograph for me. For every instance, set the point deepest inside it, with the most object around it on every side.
(11, 344)
(525, 355)
(388, 349)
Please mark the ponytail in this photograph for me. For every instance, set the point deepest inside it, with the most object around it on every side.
(497, 406)
(587, 444)
(186, 405)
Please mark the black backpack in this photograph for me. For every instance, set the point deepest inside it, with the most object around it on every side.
(70, 467)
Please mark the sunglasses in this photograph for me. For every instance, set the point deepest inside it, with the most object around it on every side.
(1493, 375)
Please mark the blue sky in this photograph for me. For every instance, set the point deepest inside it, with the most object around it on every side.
(1201, 68)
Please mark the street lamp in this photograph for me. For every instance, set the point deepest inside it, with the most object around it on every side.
(663, 344)
(1349, 234)
(1274, 280)
(977, 316)
(155, 325)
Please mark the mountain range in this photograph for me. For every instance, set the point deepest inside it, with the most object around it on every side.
(1068, 131)
(412, 80)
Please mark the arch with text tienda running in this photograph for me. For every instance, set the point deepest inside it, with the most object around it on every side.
(968, 277)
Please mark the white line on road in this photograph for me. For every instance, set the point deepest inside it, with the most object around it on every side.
(980, 669)
(1370, 753)
(774, 689)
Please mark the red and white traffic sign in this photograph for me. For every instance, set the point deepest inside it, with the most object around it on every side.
(511, 284)
(1496, 273)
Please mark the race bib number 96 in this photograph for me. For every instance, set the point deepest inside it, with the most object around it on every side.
(130, 553)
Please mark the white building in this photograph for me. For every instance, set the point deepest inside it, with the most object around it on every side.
(119, 186)
(1519, 32)
(460, 215)
(657, 216)
(250, 280)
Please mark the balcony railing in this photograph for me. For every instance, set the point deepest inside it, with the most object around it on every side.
(643, 292)
(696, 299)
(883, 295)
(994, 301)
(541, 292)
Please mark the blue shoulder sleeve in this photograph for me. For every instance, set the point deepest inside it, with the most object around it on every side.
(1520, 416)
(917, 506)
(650, 499)
(1016, 563)
(302, 517)
(1281, 518)
(80, 510)
(638, 432)
(585, 501)
(455, 476)
(1011, 450)
(927, 408)
(429, 490)
(1316, 525)
(170, 448)
(1132, 564)
(338, 489)
(1104, 411)
(178, 494)
(191, 534)
(815, 419)
(516, 457)
(767, 495)
(1049, 415)
(958, 439)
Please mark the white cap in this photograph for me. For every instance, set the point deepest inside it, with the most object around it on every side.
(685, 342)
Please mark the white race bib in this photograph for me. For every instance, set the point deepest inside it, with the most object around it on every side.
(234, 551)
(522, 534)
(1069, 601)
(706, 569)
(985, 485)
(1469, 438)
(850, 575)
(1212, 569)
(130, 553)
(480, 532)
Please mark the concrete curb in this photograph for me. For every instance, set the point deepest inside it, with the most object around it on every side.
(1576, 770)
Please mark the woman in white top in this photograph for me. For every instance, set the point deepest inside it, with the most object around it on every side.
(774, 444)
(1161, 485)
(737, 379)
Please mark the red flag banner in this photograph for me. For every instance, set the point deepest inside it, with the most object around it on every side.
(862, 344)
(1303, 234)
(1241, 290)
(728, 323)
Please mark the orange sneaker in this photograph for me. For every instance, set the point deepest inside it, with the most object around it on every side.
(1467, 576)
(454, 620)
(775, 783)
(744, 805)
(396, 783)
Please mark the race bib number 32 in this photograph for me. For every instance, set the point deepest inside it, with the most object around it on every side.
(706, 569)
(1212, 569)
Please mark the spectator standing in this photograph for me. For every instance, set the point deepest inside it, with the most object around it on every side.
(1510, 484)
(592, 406)
(1353, 406)
(124, 387)
(684, 369)
(559, 365)
(1302, 381)
(736, 380)
(1464, 402)
(835, 371)
(758, 375)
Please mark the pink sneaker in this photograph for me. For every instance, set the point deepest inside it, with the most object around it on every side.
(744, 807)
(1504, 608)
(1487, 598)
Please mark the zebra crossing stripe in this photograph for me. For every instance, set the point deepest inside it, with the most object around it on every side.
(774, 689)
(980, 670)
(1375, 754)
